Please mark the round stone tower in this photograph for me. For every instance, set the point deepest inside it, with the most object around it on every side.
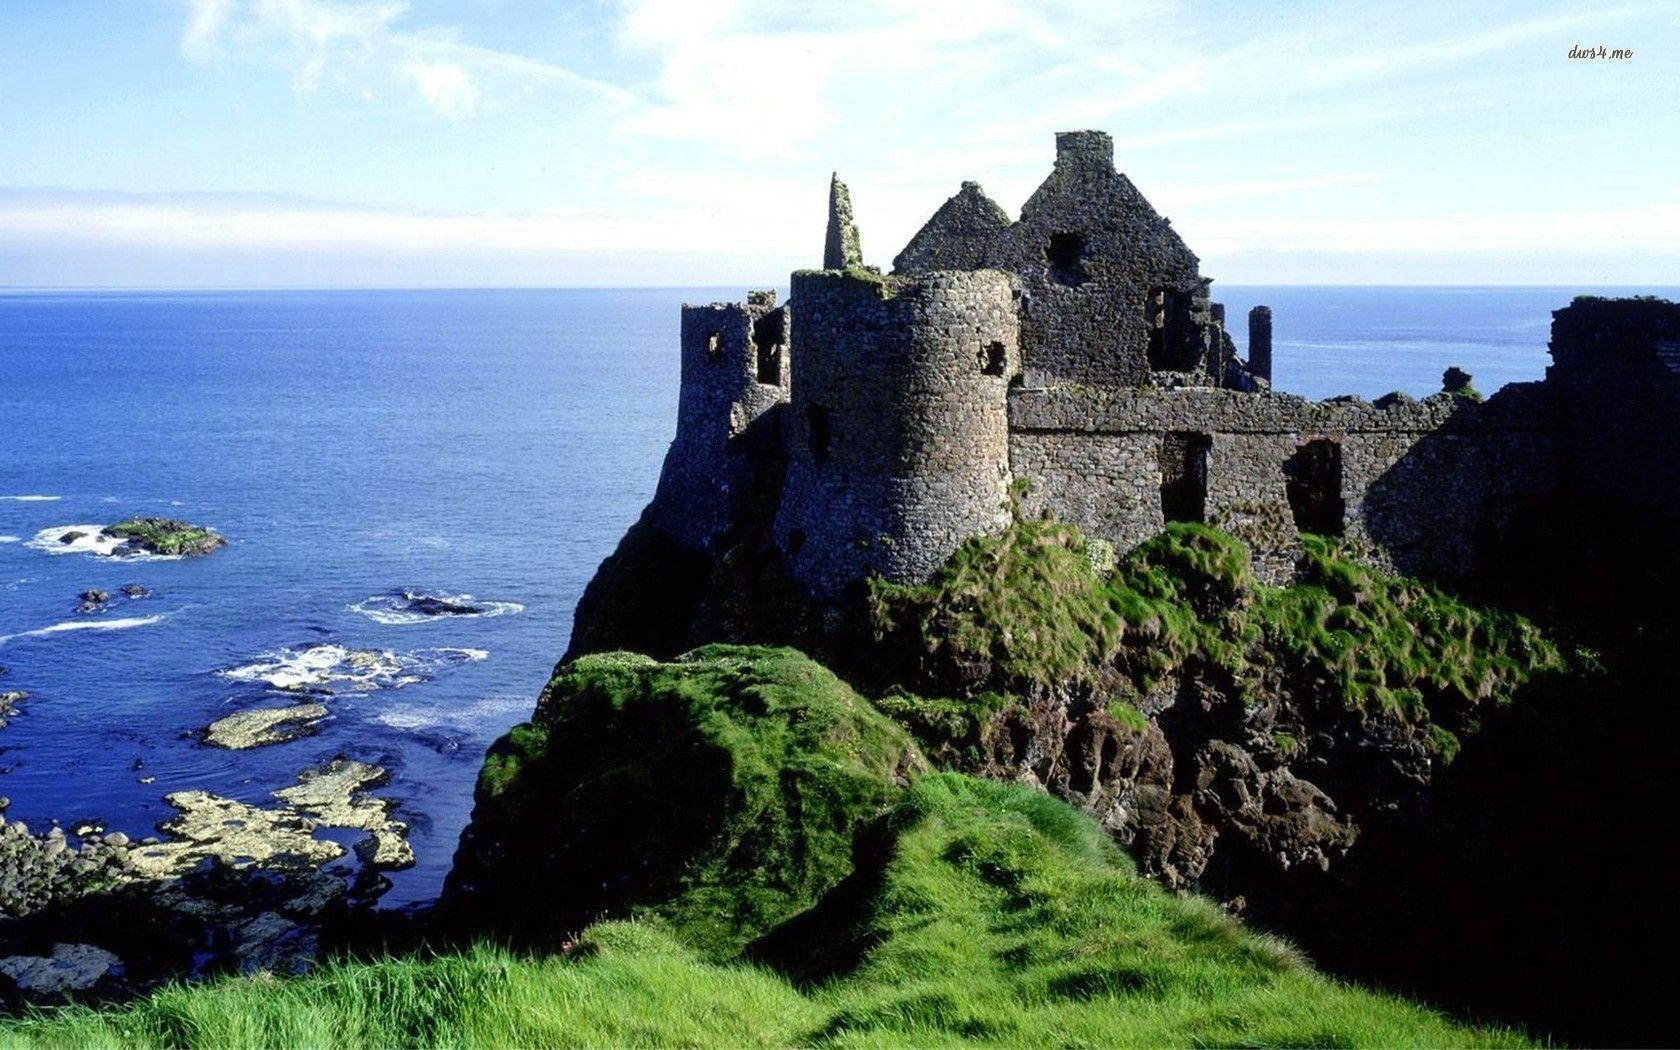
(735, 369)
(898, 430)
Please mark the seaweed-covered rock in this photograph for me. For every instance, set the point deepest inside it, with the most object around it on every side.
(166, 536)
(720, 791)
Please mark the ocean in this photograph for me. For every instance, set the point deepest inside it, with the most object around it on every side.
(357, 445)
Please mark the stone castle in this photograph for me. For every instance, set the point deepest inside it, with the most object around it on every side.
(875, 421)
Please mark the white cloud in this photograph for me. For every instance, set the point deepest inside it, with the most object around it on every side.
(447, 87)
(365, 46)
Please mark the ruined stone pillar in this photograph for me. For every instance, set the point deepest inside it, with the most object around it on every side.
(1260, 342)
(842, 249)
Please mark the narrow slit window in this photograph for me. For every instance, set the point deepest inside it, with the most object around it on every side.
(817, 434)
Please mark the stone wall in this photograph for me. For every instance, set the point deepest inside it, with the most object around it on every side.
(1417, 485)
(736, 367)
(1616, 368)
(897, 435)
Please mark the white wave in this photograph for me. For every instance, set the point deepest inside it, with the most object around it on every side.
(84, 625)
(90, 539)
(455, 654)
(332, 668)
(9, 539)
(494, 713)
(32, 499)
(399, 608)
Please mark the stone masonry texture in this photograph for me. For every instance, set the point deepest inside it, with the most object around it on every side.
(1076, 349)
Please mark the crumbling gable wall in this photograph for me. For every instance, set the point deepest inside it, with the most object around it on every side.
(963, 234)
(1112, 291)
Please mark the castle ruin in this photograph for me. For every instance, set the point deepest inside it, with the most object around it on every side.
(875, 421)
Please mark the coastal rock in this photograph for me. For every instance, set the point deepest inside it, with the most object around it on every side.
(36, 870)
(9, 701)
(268, 725)
(234, 833)
(93, 600)
(70, 968)
(431, 605)
(397, 608)
(334, 795)
(169, 537)
(135, 591)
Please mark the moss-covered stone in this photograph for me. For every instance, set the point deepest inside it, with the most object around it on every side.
(720, 792)
(165, 536)
(1028, 608)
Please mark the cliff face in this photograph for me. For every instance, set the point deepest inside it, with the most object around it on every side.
(1352, 759)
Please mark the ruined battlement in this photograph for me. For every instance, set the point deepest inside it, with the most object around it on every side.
(875, 421)
(736, 368)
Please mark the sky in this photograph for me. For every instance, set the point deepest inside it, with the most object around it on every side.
(379, 143)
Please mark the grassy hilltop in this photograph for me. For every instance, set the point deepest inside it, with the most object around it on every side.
(873, 902)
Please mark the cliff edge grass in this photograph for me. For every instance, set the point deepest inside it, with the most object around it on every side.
(965, 910)
(1040, 605)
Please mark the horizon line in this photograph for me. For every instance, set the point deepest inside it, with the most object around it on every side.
(27, 289)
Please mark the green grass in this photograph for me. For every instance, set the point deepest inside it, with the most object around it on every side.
(1395, 646)
(721, 790)
(1030, 607)
(983, 913)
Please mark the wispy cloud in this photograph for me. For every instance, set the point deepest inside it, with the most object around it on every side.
(667, 218)
(251, 222)
(1654, 229)
(368, 46)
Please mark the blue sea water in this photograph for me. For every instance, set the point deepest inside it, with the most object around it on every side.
(354, 444)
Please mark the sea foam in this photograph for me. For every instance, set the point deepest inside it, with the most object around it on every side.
(32, 499)
(398, 608)
(94, 540)
(332, 668)
(84, 625)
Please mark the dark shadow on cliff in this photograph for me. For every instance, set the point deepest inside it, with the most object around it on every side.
(1535, 887)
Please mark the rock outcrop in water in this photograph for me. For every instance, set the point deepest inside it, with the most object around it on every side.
(165, 536)
(262, 726)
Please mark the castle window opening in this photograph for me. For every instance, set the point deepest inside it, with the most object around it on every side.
(1184, 475)
(817, 435)
(1066, 255)
(1313, 482)
(714, 346)
(994, 359)
(1168, 314)
(769, 333)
